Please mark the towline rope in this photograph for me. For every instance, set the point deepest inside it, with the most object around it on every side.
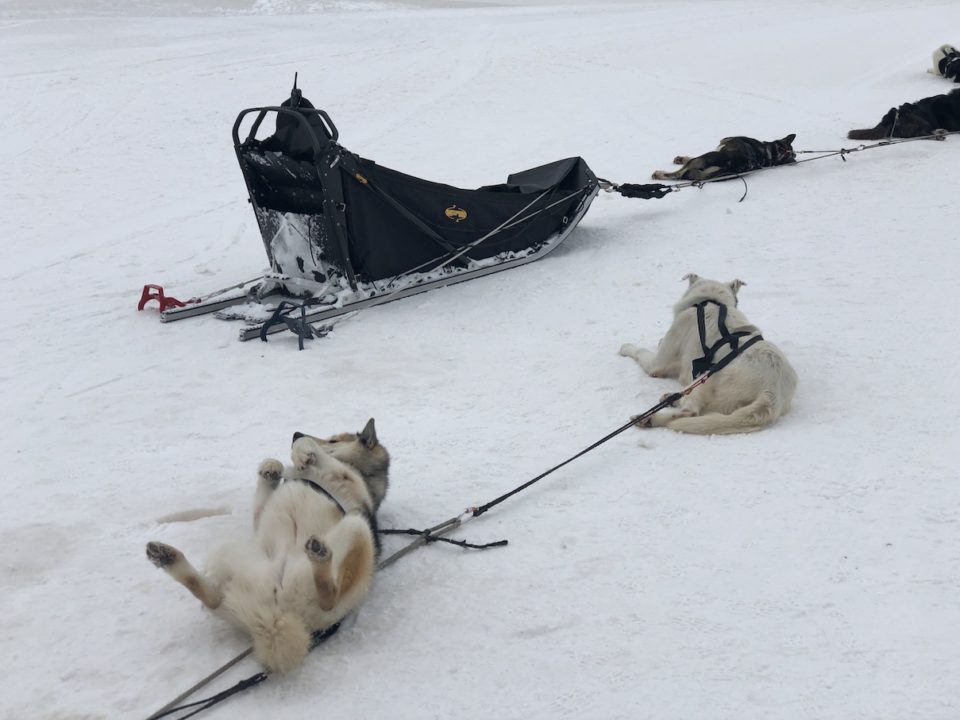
(436, 532)
(430, 535)
(659, 190)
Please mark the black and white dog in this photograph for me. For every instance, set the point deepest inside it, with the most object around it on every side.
(734, 155)
(923, 117)
(946, 63)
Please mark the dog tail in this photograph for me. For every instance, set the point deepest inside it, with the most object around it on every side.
(875, 133)
(749, 418)
(280, 639)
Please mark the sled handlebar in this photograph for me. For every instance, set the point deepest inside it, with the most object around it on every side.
(299, 115)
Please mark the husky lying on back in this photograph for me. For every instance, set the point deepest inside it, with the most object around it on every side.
(312, 558)
(733, 155)
(946, 63)
(747, 395)
(924, 117)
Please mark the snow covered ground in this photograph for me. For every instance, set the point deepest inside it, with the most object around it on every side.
(808, 571)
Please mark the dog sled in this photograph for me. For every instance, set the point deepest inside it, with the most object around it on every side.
(343, 233)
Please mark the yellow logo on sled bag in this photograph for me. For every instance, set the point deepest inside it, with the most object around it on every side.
(456, 214)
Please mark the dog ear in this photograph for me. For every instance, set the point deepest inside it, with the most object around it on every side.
(736, 285)
(368, 436)
(692, 277)
(788, 140)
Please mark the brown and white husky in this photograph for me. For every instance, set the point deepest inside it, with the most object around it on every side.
(314, 549)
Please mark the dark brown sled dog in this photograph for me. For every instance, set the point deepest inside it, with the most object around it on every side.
(924, 117)
(733, 155)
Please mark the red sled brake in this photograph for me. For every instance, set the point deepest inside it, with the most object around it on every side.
(155, 292)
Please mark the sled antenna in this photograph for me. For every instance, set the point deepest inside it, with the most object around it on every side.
(295, 93)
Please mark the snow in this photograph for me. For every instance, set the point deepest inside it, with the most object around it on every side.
(810, 570)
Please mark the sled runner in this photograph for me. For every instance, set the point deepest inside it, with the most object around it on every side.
(342, 233)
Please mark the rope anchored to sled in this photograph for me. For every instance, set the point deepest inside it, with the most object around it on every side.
(655, 191)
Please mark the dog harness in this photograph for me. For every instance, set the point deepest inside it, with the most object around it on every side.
(706, 364)
(367, 514)
(322, 491)
(949, 66)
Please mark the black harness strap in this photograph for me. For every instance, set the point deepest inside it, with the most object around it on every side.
(949, 66)
(322, 491)
(706, 364)
(198, 706)
(319, 636)
(717, 367)
(368, 515)
(316, 638)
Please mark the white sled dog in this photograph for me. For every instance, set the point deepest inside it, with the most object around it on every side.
(313, 554)
(748, 394)
(946, 62)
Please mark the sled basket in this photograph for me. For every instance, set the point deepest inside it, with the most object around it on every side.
(324, 211)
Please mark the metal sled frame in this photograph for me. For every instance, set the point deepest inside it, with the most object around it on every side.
(334, 213)
(253, 331)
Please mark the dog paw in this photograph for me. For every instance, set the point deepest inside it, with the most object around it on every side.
(628, 350)
(316, 549)
(270, 471)
(162, 555)
(667, 396)
(303, 455)
(645, 423)
(681, 159)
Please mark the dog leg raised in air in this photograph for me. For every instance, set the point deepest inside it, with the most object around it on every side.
(176, 565)
(268, 478)
(343, 560)
(321, 559)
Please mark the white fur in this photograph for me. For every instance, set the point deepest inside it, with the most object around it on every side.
(751, 392)
(268, 585)
(939, 54)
